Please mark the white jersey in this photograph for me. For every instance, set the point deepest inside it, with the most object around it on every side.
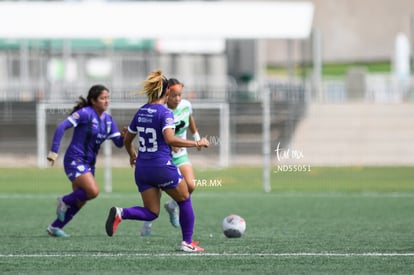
(182, 121)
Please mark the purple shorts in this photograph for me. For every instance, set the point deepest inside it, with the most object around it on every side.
(164, 177)
(74, 168)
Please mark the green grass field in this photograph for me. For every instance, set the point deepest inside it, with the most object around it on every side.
(348, 220)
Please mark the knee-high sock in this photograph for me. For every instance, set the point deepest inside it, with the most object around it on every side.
(138, 213)
(69, 215)
(79, 195)
(186, 219)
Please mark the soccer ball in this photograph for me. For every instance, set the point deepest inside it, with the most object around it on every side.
(233, 226)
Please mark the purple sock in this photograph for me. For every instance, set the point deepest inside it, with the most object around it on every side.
(79, 195)
(138, 213)
(69, 215)
(186, 219)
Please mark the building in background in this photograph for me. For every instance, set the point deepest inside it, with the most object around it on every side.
(232, 71)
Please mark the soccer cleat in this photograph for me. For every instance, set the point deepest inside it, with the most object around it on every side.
(113, 220)
(56, 232)
(61, 209)
(190, 247)
(146, 229)
(195, 242)
(173, 213)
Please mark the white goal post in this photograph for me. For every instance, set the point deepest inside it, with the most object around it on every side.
(41, 123)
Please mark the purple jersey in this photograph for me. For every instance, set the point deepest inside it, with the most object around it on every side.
(149, 123)
(89, 133)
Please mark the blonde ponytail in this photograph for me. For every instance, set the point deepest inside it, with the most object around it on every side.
(154, 86)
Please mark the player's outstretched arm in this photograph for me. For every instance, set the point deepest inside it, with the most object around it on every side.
(118, 136)
(175, 141)
(57, 138)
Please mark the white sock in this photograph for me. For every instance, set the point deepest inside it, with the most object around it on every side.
(172, 204)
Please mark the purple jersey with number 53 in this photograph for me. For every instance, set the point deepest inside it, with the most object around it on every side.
(148, 124)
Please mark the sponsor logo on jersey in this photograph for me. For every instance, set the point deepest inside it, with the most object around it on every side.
(169, 120)
(183, 115)
(75, 115)
(149, 110)
(144, 119)
(100, 138)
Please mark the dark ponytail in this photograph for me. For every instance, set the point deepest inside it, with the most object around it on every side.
(79, 104)
(165, 85)
(94, 92)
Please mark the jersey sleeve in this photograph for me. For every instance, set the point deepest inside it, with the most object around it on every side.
(190, 107)
(78, 117)
(114, 133)
(59, 132)
(167, 120)
(132, 127)
(73, 120)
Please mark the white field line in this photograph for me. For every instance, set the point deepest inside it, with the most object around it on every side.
(178, 254)
(226, 194)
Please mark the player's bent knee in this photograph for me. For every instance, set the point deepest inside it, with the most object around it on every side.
(191, 188)
(92, 194)
(182, 197)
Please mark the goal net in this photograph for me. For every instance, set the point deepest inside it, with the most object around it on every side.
(212, 119)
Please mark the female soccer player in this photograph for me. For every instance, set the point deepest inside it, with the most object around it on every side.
(92, 127)
(183, 119)
(154, 169)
